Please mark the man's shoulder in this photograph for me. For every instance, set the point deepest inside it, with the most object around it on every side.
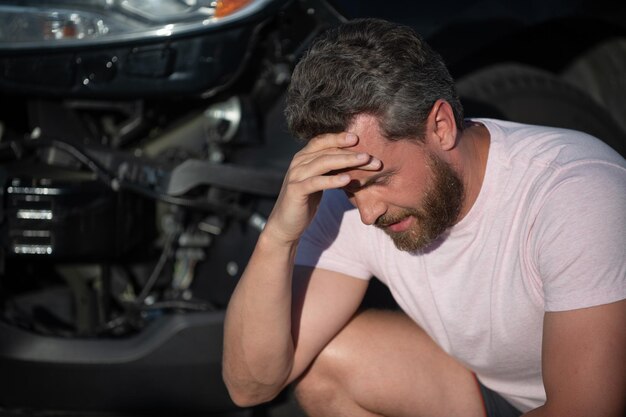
(546, 145)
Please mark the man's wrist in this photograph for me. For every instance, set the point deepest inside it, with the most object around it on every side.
(271, 239)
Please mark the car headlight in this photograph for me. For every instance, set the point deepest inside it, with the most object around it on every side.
(26, 24)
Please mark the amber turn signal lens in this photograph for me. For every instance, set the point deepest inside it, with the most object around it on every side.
(227, 7)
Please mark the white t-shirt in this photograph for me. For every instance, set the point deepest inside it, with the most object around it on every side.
(546, 233)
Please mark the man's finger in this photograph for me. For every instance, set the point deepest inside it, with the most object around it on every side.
(325, 182)
(325, 164)
(332, 140)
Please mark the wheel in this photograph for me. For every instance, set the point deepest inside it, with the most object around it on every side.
(526, 94)
(600, 72)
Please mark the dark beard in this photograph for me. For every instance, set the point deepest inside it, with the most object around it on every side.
(439, 211)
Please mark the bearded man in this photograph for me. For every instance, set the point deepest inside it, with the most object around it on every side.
(502, 243)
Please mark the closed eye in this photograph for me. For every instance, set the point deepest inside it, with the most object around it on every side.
(384, 180)
(380, 179)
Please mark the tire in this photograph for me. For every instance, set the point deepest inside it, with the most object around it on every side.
(601, 72)
(529, 95)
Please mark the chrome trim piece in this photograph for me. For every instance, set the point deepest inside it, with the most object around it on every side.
(34, 214)
(34, 190)
(32, 249)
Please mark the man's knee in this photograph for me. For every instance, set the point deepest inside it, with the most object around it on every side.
(328, 387)
(314, 389)
(331, 374)
(322, 380)
(321, 390)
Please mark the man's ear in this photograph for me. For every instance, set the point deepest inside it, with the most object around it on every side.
(441, 126)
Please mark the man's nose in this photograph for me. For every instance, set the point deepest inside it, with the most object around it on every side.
(370, 207)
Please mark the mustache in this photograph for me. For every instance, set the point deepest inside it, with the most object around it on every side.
(388, 219)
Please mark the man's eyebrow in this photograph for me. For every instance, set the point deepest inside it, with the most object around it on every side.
(371, 180)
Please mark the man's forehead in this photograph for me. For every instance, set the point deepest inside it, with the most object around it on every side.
(371, 140)
(365, 124)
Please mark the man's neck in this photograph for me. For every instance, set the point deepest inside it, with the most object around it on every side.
(473, 153)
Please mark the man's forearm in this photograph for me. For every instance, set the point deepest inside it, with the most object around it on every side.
(258, 346)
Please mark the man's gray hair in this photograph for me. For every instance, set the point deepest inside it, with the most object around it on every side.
(368, 66)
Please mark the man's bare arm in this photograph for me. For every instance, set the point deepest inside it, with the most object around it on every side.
(260, 353)
(584, 362)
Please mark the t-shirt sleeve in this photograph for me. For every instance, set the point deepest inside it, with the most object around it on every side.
(580, 235)
(335, 240)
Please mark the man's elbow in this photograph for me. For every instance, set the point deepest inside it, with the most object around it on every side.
(245, 398)
(248, 394)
